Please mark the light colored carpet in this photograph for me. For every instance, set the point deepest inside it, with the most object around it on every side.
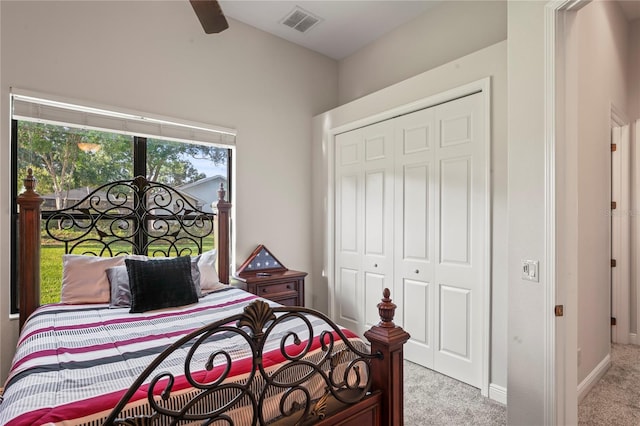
(615, 399)
(431, 398)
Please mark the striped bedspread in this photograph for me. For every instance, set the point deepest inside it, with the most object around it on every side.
(74, 362)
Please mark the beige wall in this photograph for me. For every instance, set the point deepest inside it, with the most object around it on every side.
(488, 62)
(634, 69)
(602, 32)
(442, 49)
(597, 78)
(526, 334)
(154, 57)
(447, 32)
(633, 73)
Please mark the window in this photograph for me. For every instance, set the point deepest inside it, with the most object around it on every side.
(69, 159)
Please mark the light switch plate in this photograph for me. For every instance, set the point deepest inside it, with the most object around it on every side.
(530, 270)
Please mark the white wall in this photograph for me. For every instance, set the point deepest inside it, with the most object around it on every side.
(442, 41)
(526, 343)
(448, 31)
(154, 57)
(602, 75)
(591, 91)
(488, 62)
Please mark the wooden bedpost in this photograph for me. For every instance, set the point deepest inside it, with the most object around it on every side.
(387, 372)
(29, 251)
(223, 235)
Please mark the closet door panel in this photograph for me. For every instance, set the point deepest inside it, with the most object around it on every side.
(418, 323)
(455, 334)
(455, 208)
(378, 250)
(374, 212)
(461, 165)
(349, 184)
(414, 228)
(364, 224)
(348, 308)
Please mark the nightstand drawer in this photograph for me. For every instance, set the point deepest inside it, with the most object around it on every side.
(269, 289)
(284, 287)
(290, 301)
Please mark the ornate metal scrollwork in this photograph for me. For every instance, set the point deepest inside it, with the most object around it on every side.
(256, 316)
(310, 367)
(131, 216)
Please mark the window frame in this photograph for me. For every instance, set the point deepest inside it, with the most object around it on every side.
(139, 158)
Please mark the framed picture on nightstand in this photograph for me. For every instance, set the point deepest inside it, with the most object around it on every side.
(262, 262)
(265, 276)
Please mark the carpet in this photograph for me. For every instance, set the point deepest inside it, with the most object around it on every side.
(615, 399)
(431, 398)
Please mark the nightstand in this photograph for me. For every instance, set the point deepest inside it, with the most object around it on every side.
(284, 287)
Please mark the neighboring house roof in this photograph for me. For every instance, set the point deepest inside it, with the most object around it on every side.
(76, 194)
(201, 182)
(205, 191)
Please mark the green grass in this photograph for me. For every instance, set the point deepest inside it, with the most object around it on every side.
(51, 267)
(50, 273)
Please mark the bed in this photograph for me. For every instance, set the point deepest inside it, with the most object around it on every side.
(164, 343)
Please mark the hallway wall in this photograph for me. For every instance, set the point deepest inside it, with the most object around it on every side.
(602, 82)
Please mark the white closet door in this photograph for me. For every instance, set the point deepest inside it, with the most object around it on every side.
(411, 215)
(364, 223)
(460, 238)
(415, 202)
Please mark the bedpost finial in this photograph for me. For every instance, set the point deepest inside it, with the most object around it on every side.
(221, 192)
(30, 180)
(140, 182)
(387, 310)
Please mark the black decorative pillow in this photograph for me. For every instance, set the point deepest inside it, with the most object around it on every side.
(162, 283)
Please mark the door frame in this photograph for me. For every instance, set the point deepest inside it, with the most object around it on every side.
(482, 85)
(560, 404)
(620, 235)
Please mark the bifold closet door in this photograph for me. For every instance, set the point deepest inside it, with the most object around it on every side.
(364, 226)
(411, 215)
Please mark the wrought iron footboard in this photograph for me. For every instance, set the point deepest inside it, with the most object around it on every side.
(297, 389)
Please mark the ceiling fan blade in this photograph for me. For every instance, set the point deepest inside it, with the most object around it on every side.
(210, 15)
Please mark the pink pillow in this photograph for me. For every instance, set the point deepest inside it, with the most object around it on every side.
(84, 278)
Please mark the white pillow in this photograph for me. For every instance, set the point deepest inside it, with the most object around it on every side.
(84, 278)
(208, 274)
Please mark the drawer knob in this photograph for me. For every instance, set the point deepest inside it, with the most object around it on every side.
(375, 265)
(289, 286)
(264, 290)
(417, 271)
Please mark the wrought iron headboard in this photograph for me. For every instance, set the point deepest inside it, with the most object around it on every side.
(138, 216)
(134, 216)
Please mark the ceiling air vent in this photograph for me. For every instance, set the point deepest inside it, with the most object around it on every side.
(300, 20)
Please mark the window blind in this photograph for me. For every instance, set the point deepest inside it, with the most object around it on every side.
(62, 113)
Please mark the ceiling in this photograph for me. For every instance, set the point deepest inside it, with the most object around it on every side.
(631, 8)
(345, 25)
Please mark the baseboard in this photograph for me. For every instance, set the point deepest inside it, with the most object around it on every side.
(633, 338)
(498, 393)
(596, 374)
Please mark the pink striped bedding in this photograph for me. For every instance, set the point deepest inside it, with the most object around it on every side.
(74, 362)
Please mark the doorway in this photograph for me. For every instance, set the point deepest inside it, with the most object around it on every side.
(620, 230)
